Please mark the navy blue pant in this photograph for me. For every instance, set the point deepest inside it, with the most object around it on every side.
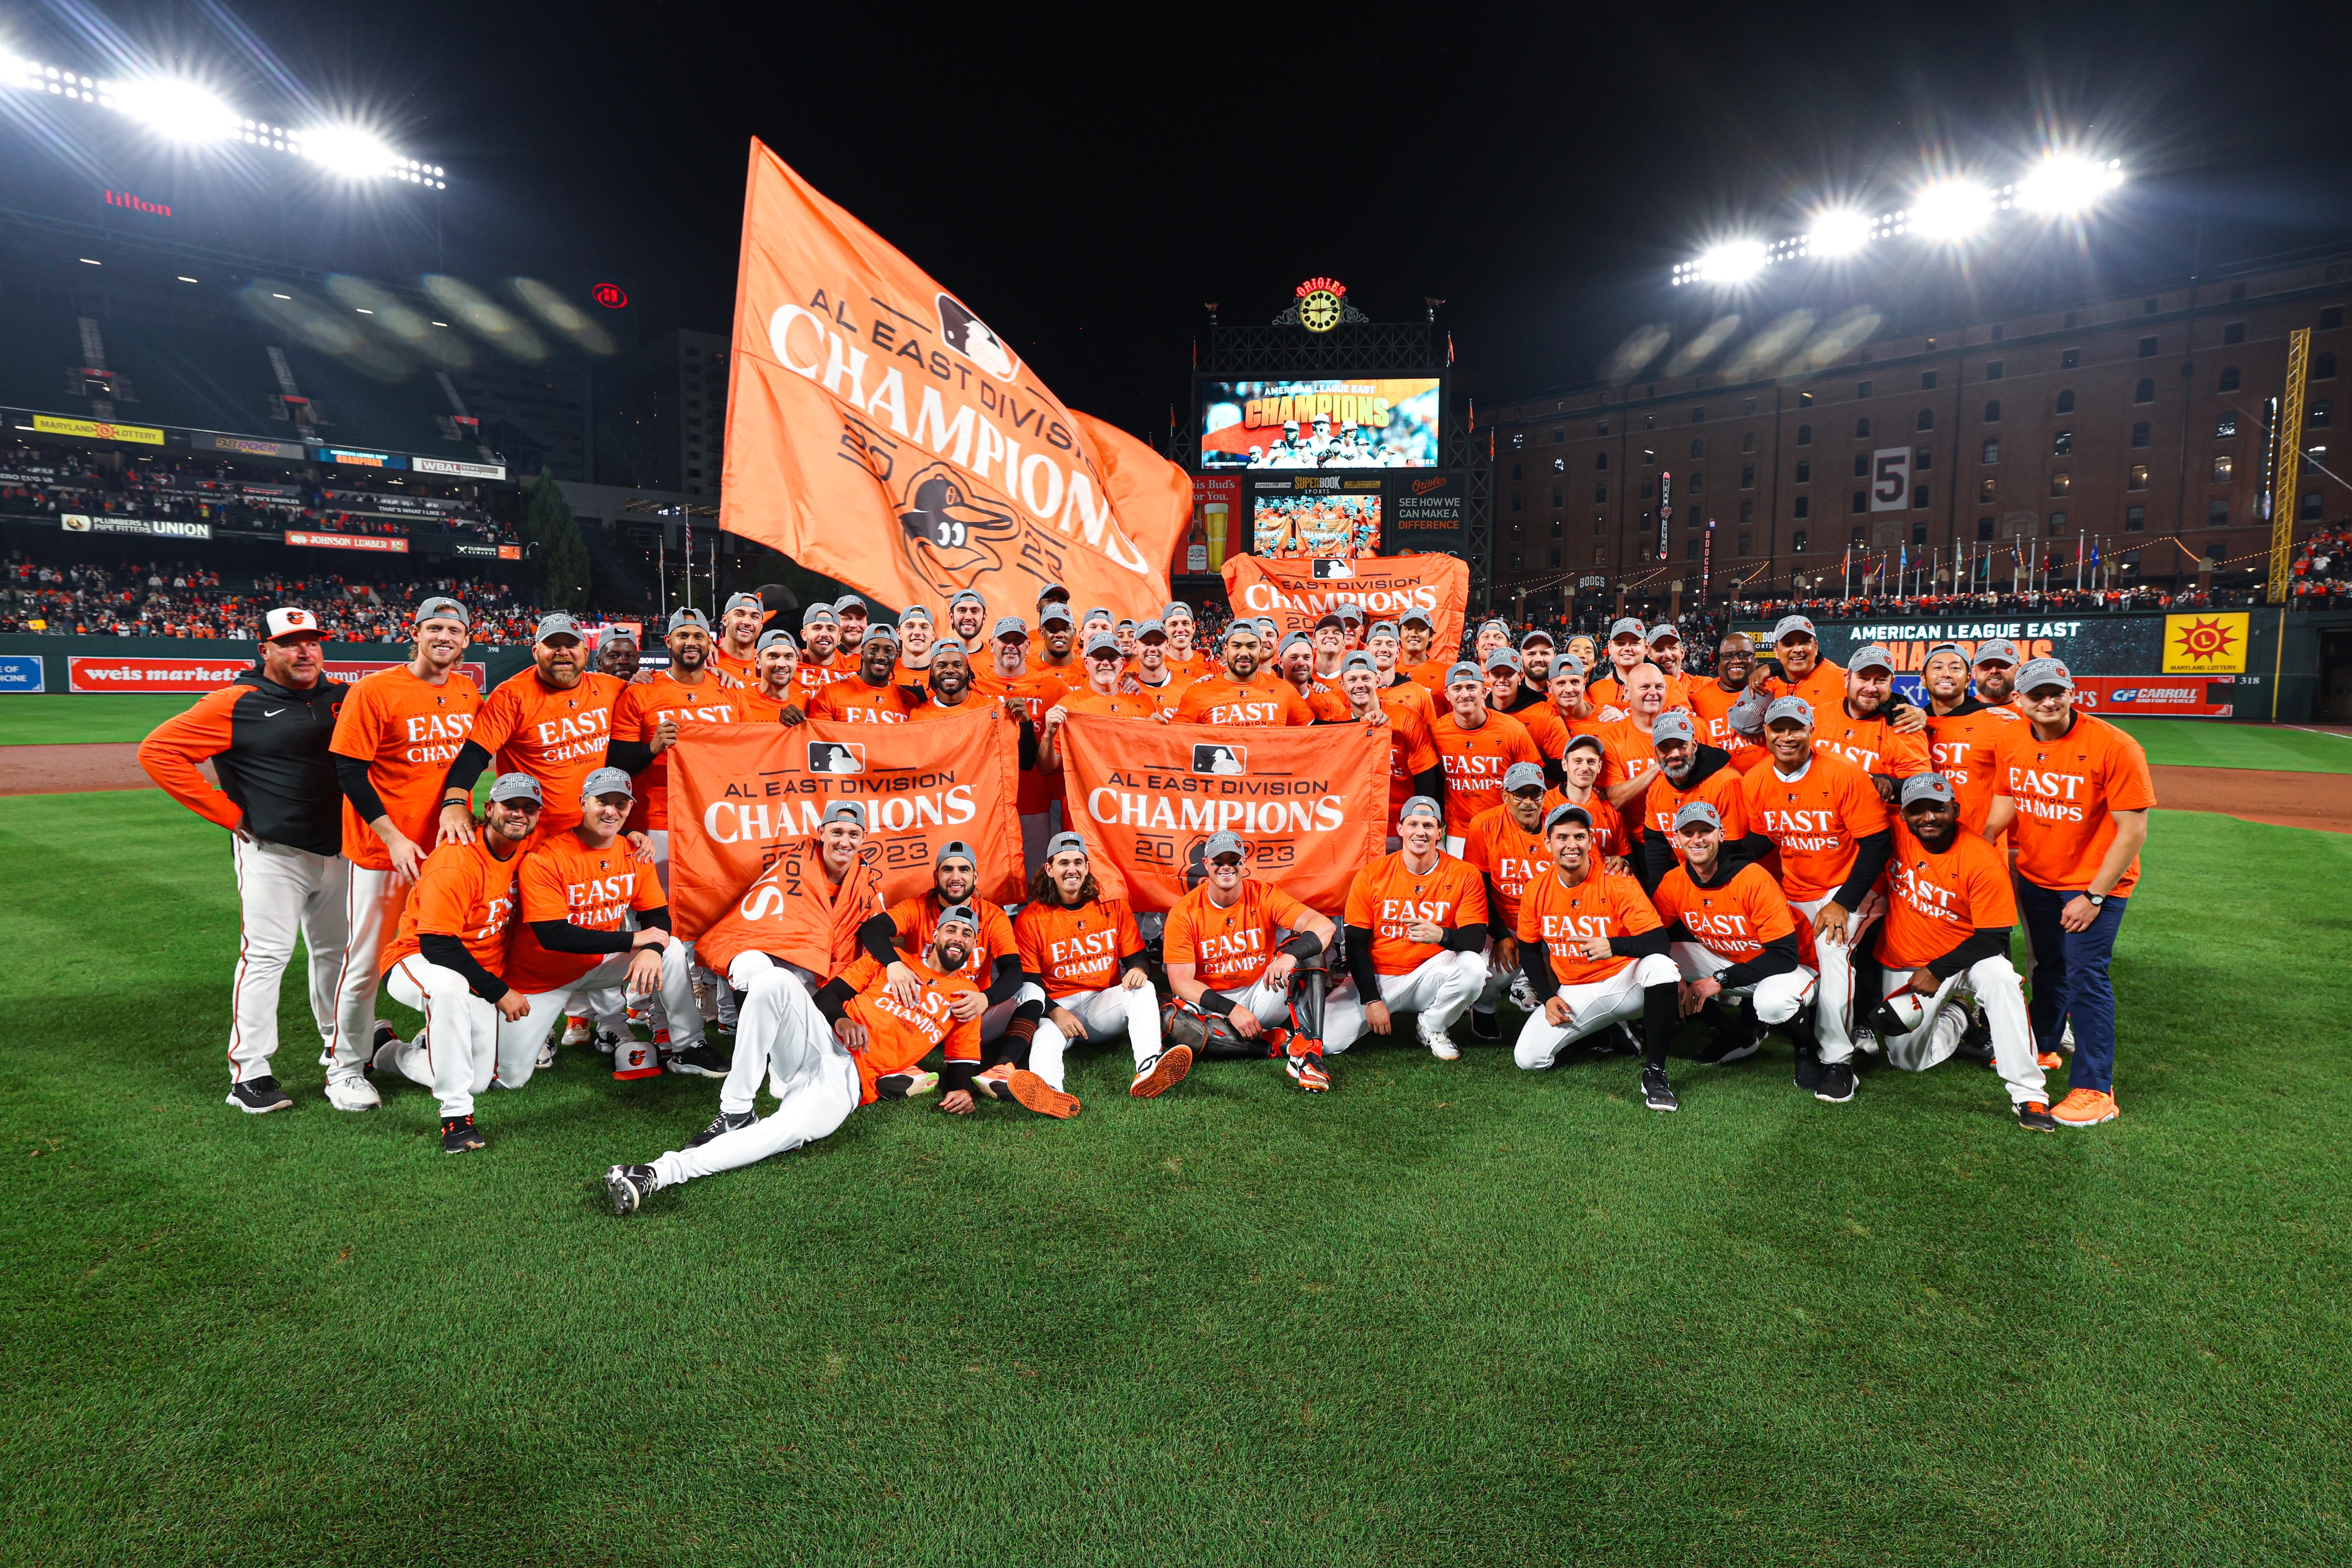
(2070, 981)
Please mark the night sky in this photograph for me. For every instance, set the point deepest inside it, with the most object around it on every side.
(1087, 182)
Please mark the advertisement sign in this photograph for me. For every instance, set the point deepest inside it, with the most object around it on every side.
(1665, 509)
(1340, 421)
(2214, 642)
(97, 430)
(1890, 480)
(380, 504)
(248, 445)
(107, 672)
(1429, 503)
(1217, 519)
(1324, 515)
(488, 552)
(392, 543)
(2156, 696)
(22, 673)
(153, 528)
(1297, 593)
(1310, 805)
(457, 470)
(345, 454)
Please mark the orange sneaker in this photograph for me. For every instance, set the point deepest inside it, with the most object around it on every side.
(2084, 1108)
(2049, 1061)
(1018, 1086)
(1162, 1072)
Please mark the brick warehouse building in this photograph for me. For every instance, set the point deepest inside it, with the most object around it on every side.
(2136, 419)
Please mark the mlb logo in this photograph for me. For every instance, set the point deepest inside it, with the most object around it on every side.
(1227, 761)
(1328, 569)
(837, 757)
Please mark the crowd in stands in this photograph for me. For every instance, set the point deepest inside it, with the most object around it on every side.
(179, 599)
(2322, 569)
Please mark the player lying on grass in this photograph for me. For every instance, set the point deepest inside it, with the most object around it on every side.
(851, 1043)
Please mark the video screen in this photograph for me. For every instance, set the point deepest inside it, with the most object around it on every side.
(1322, 526)
(1343, 422)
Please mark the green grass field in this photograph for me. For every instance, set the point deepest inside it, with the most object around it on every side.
(52, 718)
(2211, 742)
(1449, 1313)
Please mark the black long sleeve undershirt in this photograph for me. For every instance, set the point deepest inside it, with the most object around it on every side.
(1359, 963)
(1497, 926)
(631, 757)
(1986, 942)
(1430, 781)
(1464, 939)
(833, 998)
(1535, 963)
(1006, 983)
(1780, 955)
(352, 778)
(1871, 853)
(563, 937)
(1641, 945)
(471, 759)
(449, 952)
(879, 938)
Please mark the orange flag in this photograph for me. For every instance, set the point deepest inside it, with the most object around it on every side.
(879, 432)
(1310, 804)
(737, 792)
(1297, 593)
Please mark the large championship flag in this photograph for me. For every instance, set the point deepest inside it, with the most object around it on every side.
(1310, 804)
(736, 792)
(1297, 593)
(880, 432)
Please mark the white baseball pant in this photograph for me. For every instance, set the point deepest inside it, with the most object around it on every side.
(371, 906)
(1101, 1015)
(813, 1106)
(1591, 1007)
(675, 1000)
(281, 892)
(664, 1010)
(456, 1052)
(1994, 984)
(1439, 990)
(1268, 1004)
(1778, 998)
(779, 1034)
(1833, 1007)
(518, 1041)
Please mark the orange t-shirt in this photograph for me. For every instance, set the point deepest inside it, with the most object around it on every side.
(812, 675)
(1562, 919)
(1611, 692)
(408, 731)
(640, 712)
(559, 738)
(565, 880)
(1261, 702)
(898, 1035)
(1816, 822)
(1191, 666)
(753, 705)
(1405, 691)
(917, 921)
(1509, 854)
(1734, 919)
(1387, 896)
(1966, 749)
(1037, 691)
(1475, 760)
(1327, 703)
(1411, 749)
(793, 913)
(852, 701)
(1430, 676)
(1119, 705)
(1713, 705)
(1080, 949)
(1871, 744)
(1722, 789)
(1823, 686)
(1935, 902)
(1229, 948)
(462, 891)
(2066, 790)
(1608, 837)
(745, 669)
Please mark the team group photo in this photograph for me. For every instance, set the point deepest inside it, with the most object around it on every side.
(1675, 910)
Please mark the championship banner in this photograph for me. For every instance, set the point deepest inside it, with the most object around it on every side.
(739, 791)
(879, 432)
(1310, 804)
(1297, 593)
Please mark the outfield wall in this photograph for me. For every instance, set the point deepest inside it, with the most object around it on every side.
(31, 663)
(2260, 663)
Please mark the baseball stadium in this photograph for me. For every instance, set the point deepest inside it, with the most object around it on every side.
(658, 936)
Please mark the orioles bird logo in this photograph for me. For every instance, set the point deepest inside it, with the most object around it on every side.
(953, 537)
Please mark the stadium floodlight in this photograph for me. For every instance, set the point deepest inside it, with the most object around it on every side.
(1950, 209)
(2066, 183)
(1839, 231)
(1732, 262)
(177, 109)
(348, 151)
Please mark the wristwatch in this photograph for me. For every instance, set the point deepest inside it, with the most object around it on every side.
(2098, 900)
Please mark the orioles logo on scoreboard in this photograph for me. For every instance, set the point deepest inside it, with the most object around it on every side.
(1321, 304)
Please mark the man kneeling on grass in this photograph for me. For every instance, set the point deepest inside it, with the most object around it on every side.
(851, 1044)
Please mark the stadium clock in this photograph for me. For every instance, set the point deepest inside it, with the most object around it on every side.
(1320, 305)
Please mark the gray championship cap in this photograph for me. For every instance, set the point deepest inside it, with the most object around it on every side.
(1496, 625)
(1222, 844)
(1464, 669)
(1417, 616)
(516, 787)
(1521, 776)
(605, 781)
(1332, 619)
(956, 849)
(1697, 814)
(1358, 661)
(970, 595)
(1570, 663)
(1995, 651)
(1566, 813)
(1537, 634)
(1502, 659)
(843, 811)
(1149, 626)
(1382, 629)
(556, 626)
(618, 634)
(779, 638)
(1351, 611)
(921, 612)
(959, 912)
(847, 602)
(744, 601)
(688, 617)
(2039, 672)
(819, 615)
(1672, 723)
(1797, 708)
(883, 632)
(1746, 714)
(1953, 648)
(1010, 628)
(1057, 611)
(1586, 738)
(440, 607)
(1876, 657)
(1125, 625)
(1792, 626)
(1176, 607)
(950, 644)
(1660, 634)
(1100, 612)
(1238, 627)
(1929, 787)
(1298, 640)
(1421, 806)
(1065, 845)
(1626, 626)
(1054, 591)
(1104, 642)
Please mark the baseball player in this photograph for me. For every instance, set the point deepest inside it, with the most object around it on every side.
(617, 654)
(1424, 666)
(1297, 665)
(1028, 695)
(266, 734)
(1666, 645)
(775, 691)
(1185, 663)
(1628, 650)
(968, 618)
(1569, 713)
(849, 610)
(1862, 726)
(1082, 960)
(1595, 950)
(1477, 746)
(820, 642)
(1416, 940)
(1054, 652)
(1833, 837)
(446, 959)
(1414, 766)
(1995, 668)
(1798, 670)
(1732, 935)
(870, 695)
(995, 959)
(1689, 769)
(1244, 696)
(1581, 767)
(1506, 847)
(1238, 977)
(2074, 791)
(1632, 757)
(1535, 654)
(552, 721)
(1384, 642)
(1735, 662)
(1948, 914)
(915, 635)
(1503, 674)
(397, 734)
(1152, 677)
(736, 652)
(1100, 695)
(1964, 734)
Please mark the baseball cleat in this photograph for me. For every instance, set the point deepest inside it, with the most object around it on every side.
(2049, 1061)
(459, 1135)
(1307, 1066)
(1809, 1066)
(546, 1055)
(2084, 1108)
(2067, 1038)
(700, 1062)
(259, 1096)
(575, 1030)
(1867, 1041)
(726, 1122)
(2035, 1117)
(607, 1041)
(905, 1084)
(1656, 1093)
(1523, 995)
(1162, 1072)
(352, 1093)
(1441, 1044)
(629, 1185)
(1737, 1043)
(1017, 1086)
(387, 1046)
(1483, 1025)
(1627, 1042)
(1837, 1084)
